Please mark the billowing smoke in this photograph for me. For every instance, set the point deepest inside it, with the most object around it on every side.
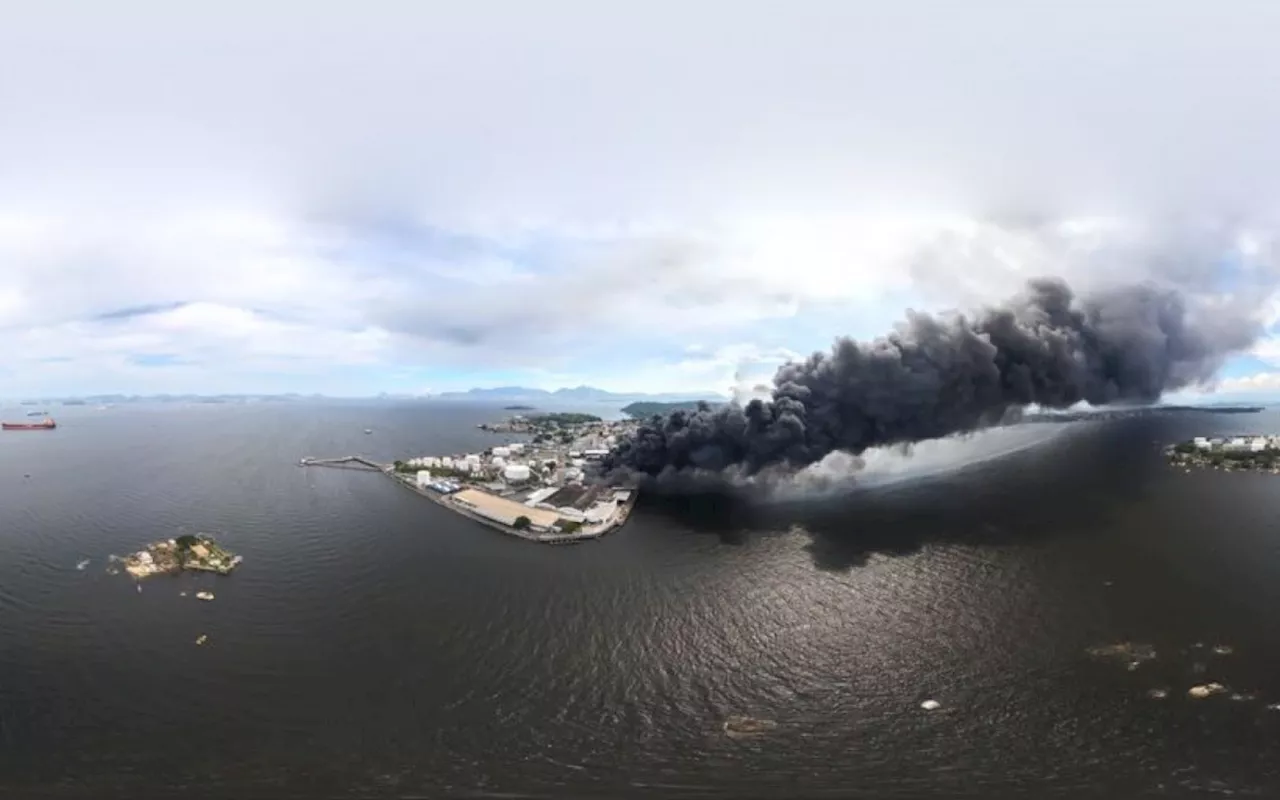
(940, 375)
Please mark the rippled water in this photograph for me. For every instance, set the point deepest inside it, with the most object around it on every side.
(374, 644)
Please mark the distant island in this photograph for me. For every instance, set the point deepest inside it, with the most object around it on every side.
(649, 408)
(578, 394)
(518, 408)
(544, 426)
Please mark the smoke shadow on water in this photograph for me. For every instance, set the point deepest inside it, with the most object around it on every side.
(1067, 484)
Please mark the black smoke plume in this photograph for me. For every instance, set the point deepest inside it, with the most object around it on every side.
(940, 375)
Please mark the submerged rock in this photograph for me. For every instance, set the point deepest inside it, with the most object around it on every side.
(1157, 694)
(739, 725)
(1132, 652)
(1204, 690)
(1222, 650)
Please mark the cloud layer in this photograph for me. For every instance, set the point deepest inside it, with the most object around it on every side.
(271, 197)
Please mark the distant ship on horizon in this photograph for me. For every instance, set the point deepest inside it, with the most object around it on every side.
(45, 425)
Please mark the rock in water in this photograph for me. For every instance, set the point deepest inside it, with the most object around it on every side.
(202, 639)
(931, 705)
(1157, 694)
(1125, 651)
(204, 595)
(1205, 690)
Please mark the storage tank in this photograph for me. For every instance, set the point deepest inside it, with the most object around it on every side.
(501, 452)
(516, 473)
(499, 462)
(424, 477)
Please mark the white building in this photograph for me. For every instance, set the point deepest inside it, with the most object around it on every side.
(602, 511)
(446, 462)
(424, 478)
(501, 452)
(516, 447)
(541, 494)
(1201, 442)
(595, 453)
(498, 461)
(1258, 443)
(431, 461)
(573, 474)
(1237, 443)
(516, 473)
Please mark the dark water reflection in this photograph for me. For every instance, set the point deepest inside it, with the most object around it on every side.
(375, 645)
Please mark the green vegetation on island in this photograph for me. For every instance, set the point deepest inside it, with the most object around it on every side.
(190, 552)
(643, 409)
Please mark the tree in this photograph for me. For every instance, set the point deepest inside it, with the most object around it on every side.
(186, 541)
(521, 523)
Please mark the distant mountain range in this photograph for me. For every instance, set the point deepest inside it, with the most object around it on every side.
(579, 394)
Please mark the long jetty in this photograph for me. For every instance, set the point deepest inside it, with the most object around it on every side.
(349, 462)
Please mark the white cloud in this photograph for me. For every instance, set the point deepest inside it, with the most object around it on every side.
(1259, 383)
(261, 189)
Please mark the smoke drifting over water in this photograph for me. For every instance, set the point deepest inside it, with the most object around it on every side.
(936, 376)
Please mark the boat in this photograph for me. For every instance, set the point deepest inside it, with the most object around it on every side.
(368, 430)
(46, 425)
(37, 413)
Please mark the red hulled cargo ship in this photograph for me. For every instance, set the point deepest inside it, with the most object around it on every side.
(46, 424)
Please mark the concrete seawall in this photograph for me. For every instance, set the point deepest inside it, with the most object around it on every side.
(544, 538)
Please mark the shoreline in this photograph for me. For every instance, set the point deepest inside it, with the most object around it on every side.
(620, 519)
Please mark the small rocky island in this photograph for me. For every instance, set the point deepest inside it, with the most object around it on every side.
(1254, 453)
(197, 552)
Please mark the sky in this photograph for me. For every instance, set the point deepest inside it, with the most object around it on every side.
(352, 198)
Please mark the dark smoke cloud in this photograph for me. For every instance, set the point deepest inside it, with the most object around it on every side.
(940, 375)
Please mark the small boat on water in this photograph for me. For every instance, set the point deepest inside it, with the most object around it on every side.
(47, 424)
(37, 413)
(368, 430)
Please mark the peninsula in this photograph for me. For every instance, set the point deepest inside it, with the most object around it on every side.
(545, 490)
(1255, 453)
(198, 553)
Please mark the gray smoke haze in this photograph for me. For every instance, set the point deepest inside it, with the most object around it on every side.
(939, 375)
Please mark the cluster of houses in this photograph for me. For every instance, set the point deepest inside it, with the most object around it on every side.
(1253, 444)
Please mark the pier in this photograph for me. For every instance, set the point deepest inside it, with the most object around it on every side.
(346, 462)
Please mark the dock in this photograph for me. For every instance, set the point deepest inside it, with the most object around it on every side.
(348, 462)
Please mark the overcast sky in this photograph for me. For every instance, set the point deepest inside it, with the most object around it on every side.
(646, 196)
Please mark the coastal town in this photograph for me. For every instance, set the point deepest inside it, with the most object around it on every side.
(1255, 453)
(546, 489)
